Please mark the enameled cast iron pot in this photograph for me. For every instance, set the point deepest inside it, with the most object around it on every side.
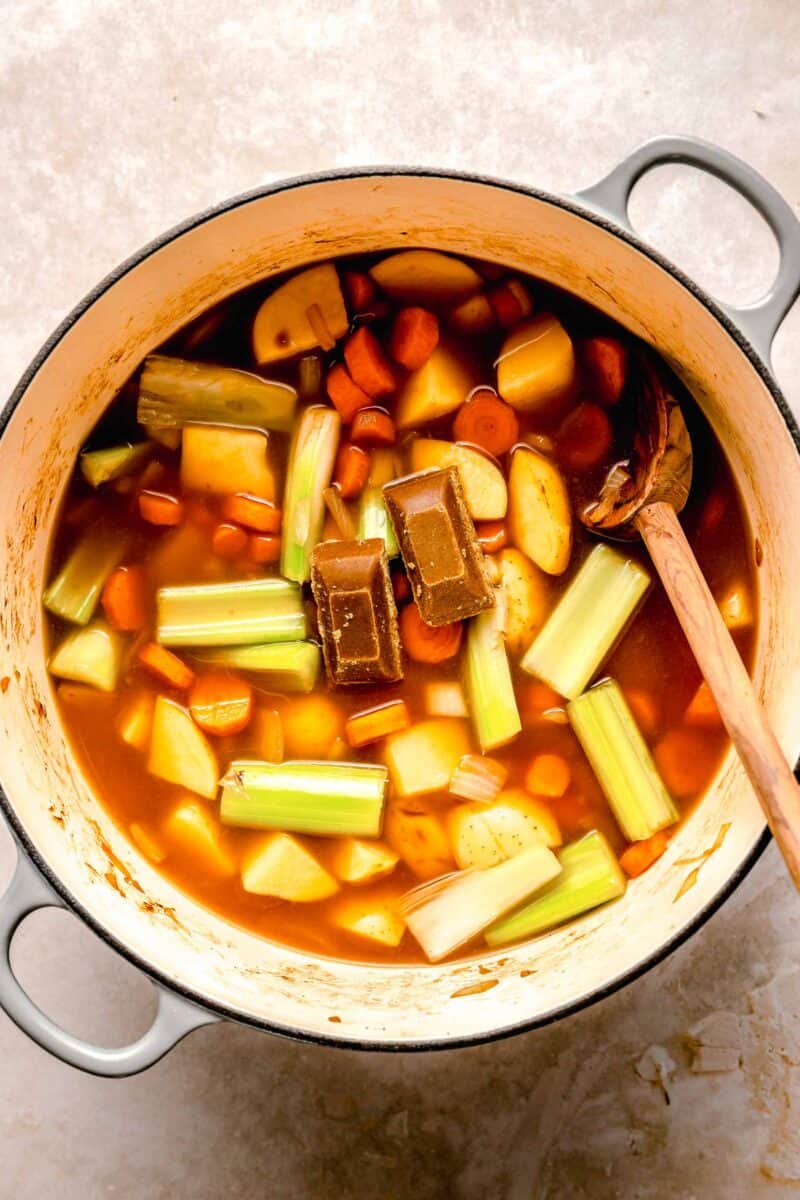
(71, 854)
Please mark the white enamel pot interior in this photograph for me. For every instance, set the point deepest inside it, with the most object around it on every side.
(61, 824)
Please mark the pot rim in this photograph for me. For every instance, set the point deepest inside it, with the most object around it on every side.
(576, 208)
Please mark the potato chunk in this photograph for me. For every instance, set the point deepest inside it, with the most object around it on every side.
(371, 920)
(536, 367)
(485, 490)
(483, 836)
(219, 460)
(180, 752)
(540, 519)
(422, 759)
(357, 861)
(426, 277)
(526, 594)
(282, 327)
(192, 828)
(437, 388)
(278, 864)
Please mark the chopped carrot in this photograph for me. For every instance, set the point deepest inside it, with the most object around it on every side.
(360, 290)
(228, 540)
(166, 666)
(510, 302)
(196, 511)
(159, 508)
(124, 599)
(415, 336)
(686, 758)
(641, 855)
(487, 421)
(264, 548)
(367, 363)
(221, 703)
(606, 361)
(703, 709)
(538, 697)
(373, 427)
(351, 470)
(319, 326)
(400, 586)
(268, 730)
(584, 438)
(375, 723)
(474, 315)
(713, 512)
(254, 513)
(548, 775)
(492, 535)
(346, 396)
(645, 709)
(426, 643)
(572, 813)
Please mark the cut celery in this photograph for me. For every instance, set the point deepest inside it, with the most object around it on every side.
(311, 460)
(74, 592)
(590, 876)
(587, 621)
(90, 655)
(621, 761)
(230, 614)
(373, 520)
(174, 393)
(490, 690)
(101, 466)
(284, 666)
(327, 799)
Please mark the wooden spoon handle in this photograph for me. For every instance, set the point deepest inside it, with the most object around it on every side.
(725, 673)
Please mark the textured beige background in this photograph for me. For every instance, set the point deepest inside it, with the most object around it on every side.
(120, 118)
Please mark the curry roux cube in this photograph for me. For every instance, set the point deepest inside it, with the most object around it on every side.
(439, 546)
(356, 612)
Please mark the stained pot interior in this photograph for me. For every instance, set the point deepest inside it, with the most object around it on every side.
(95, 864)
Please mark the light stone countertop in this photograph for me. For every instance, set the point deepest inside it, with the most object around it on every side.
(122, 118)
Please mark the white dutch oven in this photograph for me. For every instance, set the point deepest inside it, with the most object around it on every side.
(70, 852)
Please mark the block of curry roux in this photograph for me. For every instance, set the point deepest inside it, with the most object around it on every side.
(439, 545)
(356, 612)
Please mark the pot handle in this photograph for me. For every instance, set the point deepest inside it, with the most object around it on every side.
(175, 1017)
(758, 322)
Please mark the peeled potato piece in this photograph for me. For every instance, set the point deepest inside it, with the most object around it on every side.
(370, 920)
(421, 840)
(191, 827)
(536, 367)
(422, 759)
(278, 864)
(282, 327)
(426, 277)
(437, 388)
(540, 520)
(218, 460)
(483, 836)
(357, 861)
(485, 490)
(180, 752)
(527, 598)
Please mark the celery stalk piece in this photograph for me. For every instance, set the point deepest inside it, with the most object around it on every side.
(490, 690)
(311, 461)
(373, 520)
(74, 592)
(587, 621)
(283, 666)
(447, 912)
(230, 614)
(624, 766)
(327, 799)
(174, 393)
(590, 876)
(90, 655)
(101, 466)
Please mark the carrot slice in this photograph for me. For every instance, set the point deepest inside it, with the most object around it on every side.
(492, 535)
(400, 586)
(488, 422)
(345, 395)
(221, 703)
(228, 541)
(641, 855)
(360, 289)
(510, 302)
(254, 513)
(124, 599)
(606, 362)
(426, 643)
(367, 364)
(159, 508)
(585, 438)
(415, 336)
(686, 758)
(375, 723)
(373, 427)
(264, 548)
(548, 775)
(703, 709)
(351, 470)
(166, 666)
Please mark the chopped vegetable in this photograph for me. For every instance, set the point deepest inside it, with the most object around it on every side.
(526, 595)
(356, 861)
(369, 367)
(484, 835)
(478, 778)
(327, 799)
(75, 591)
(311, 462)
(228, 540)
(179, 752)
(421, 840)
(91, 655)
(536, 367)
(360, 290)
(264, 548)
(736, 607)
(345, 395)
(426, 277)
(415, 336)
(401, 588)
(370, 920)
(703, 709)
(445, 698)
(685, 758)
(606, 361)
(621, 761)
(351, 470)
(135, 722)
(487, 421)
(584, 438)
(309, 377)
(587, 621)
(165, 666)
(221, 704)
(490, 690)
(311, 726)
(160, 508)
(283, 666)
(474, 315)
(174, 393)
(645, 709)
(124, 599)
(375, 723)
(373, 520)
(214, 458)
(282, 327)
(435, 389)
(548, 775)
(641, 855)
(446, 913)
(101, 466)
(540, 519)
(191, 827)
(482, 480)
(246, 612)
(267, 732)
(373, 427)
(590, 877)
(148, 842)
(341, 514)
(428, 643)
(253, 512)
(423, 758)
(510, 302)
(492, 536)
(282, 866)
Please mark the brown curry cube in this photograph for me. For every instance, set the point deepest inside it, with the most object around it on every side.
(439, 546)
(356, 612)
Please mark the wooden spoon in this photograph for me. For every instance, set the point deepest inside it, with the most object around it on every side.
(643, 497)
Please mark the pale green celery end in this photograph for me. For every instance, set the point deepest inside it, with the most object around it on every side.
(101, 466)
(490, 688)
(590, 876)
(289, 666)
(622, 762)
(75, 591)
(310, 468)
(229, 614)
(374, 521)
(586, 622)
(319, 798)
